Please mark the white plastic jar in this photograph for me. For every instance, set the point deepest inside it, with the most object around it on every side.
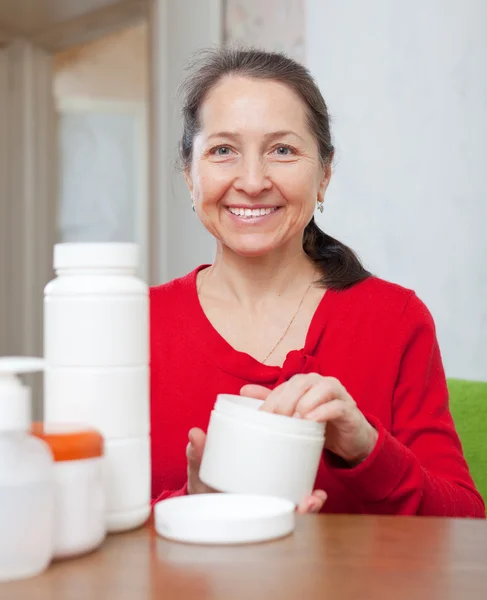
(248, 451)
(79, 497)
(96, 346)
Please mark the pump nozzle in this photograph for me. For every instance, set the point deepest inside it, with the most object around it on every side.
(15, 408)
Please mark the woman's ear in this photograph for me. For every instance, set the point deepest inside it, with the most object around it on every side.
(189, 180)
(325, 180)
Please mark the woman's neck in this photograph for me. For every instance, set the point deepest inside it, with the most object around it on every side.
(252, 281)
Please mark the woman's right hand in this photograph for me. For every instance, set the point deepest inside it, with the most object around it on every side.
(194, 454)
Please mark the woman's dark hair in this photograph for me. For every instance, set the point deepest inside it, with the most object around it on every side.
(338, 264)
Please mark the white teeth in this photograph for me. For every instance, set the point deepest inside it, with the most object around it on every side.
(251, 212)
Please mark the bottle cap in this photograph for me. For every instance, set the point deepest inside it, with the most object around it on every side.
(15, 398)
(102, 255)
(70, 442)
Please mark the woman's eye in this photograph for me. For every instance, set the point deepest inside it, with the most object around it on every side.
(283, 151)
(222, 151)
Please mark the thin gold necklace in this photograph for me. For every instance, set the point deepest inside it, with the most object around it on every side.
(290, 322)
(283, 335)
(203, 279)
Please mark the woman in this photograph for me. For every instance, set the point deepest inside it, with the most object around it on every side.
(289, 315)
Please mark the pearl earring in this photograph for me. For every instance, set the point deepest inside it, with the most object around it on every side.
(319, 205)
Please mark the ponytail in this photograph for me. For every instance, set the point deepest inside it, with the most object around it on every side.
(339, 265)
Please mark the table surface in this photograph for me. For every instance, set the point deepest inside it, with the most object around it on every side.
(327, 557)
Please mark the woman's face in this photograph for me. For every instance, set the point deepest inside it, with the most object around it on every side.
(256, 175)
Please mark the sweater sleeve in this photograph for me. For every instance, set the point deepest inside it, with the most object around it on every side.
(418, 468)
(171, 494)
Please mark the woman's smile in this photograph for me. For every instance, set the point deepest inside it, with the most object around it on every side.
(252, 215)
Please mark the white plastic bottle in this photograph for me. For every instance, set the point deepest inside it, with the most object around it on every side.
(26, 479)
(96, 347)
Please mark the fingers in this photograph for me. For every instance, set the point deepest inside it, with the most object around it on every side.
(259, 392)
(323, 391)
(194, 454)
(284, 399)
(303, 394)
(196, 446)
(330, 411)
(197, 436)
(312, 504)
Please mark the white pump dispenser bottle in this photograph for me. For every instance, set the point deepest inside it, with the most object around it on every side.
(26, 479)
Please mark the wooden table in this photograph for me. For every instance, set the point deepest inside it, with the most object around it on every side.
(328, 557)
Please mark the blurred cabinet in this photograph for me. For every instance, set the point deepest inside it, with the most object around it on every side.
(27, 198)
(27, 194)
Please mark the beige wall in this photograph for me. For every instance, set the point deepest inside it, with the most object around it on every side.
(113, 67)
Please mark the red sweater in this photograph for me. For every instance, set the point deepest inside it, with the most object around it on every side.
(379, 340)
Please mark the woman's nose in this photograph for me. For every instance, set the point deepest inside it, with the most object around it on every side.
(253, 178)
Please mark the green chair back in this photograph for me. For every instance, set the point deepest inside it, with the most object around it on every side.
(468, 405)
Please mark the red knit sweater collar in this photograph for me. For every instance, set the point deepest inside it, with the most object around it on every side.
(240, 364)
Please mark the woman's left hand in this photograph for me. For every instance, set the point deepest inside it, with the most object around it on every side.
(325, 400)
(313, 503)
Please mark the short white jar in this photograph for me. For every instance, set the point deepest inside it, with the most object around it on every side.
(79, 497)
(249, 451)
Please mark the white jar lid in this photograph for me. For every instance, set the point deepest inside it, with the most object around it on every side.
(95, 255)
(224, 518)
(247, 410)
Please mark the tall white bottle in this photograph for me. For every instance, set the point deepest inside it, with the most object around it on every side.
(26, 479)
(96, 347)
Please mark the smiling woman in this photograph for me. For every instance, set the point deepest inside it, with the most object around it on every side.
(288, 315)
(266, 129)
